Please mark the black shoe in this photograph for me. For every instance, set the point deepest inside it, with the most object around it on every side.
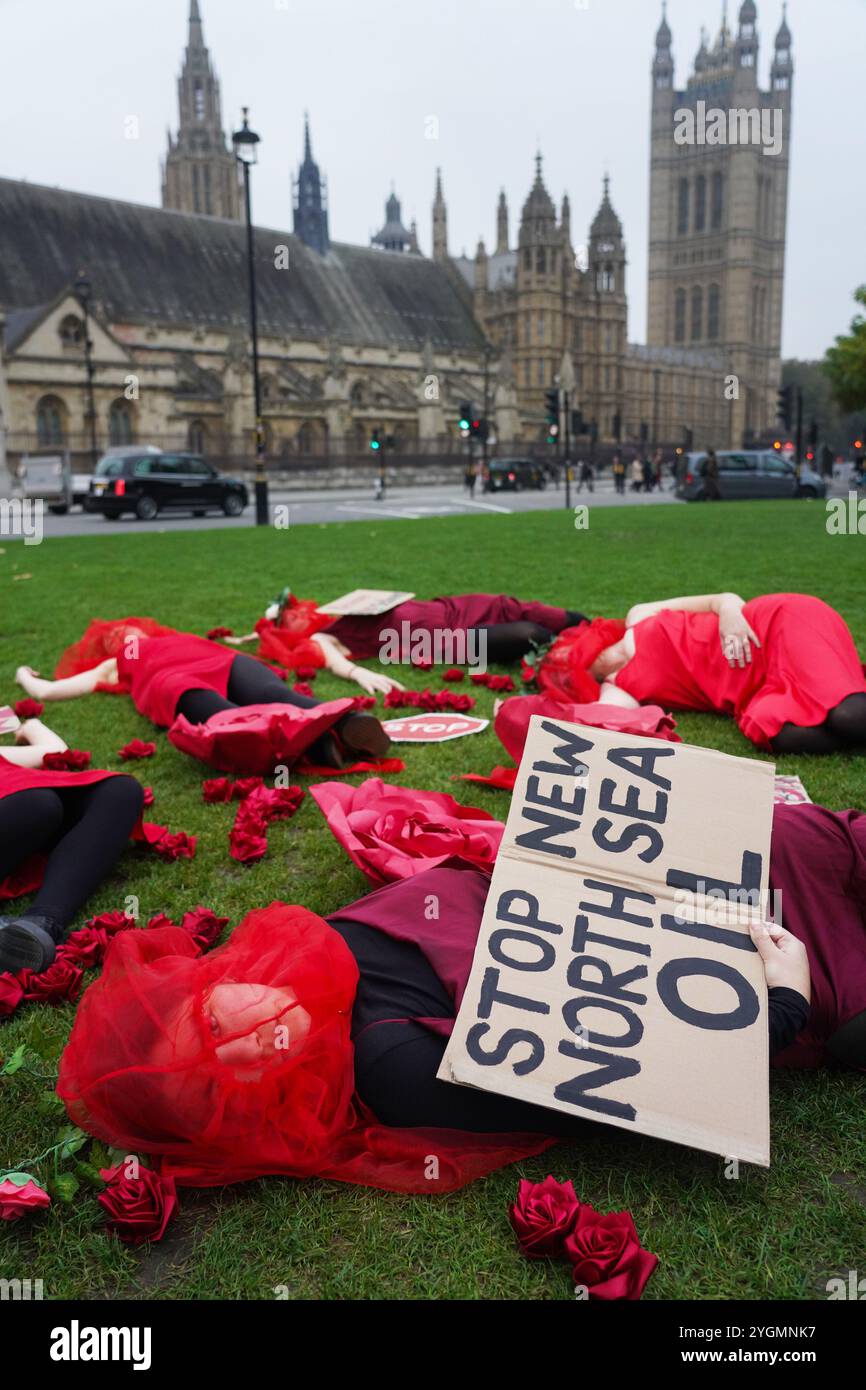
(362, 733)
(27, 943)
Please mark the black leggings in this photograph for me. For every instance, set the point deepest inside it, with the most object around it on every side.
(507, 642)
(844, 728)
(83, 831)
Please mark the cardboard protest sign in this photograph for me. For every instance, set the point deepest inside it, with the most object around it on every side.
(614, 977)
(433, 728)
(789, 791)
(365, 603)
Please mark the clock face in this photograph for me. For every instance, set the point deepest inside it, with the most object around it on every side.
(605, 246)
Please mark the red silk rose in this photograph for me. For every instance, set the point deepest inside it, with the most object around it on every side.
(60, 982)
(85, 947)
(452, 674)
(28, 709)
(606, 1255)
(148, 796)
(137, 748)
(306, 673)
(543, 1216)
(68, 760)
(137, 1209)
(396, 832)
(224, 789)
(204, 926)
(11, 994)
(17, 1200)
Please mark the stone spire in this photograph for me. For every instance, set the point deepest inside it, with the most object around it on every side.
(440, 222)
(501, 224)
(200, 173)
(310, 203)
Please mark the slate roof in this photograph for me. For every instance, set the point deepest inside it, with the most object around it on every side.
(151, 265)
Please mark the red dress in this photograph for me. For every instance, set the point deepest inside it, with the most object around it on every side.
(806, 665)
(454, 613)
(159, 670)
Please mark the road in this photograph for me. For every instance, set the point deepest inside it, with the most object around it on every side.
(358, 504)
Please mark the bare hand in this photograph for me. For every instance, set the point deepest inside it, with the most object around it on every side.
(736, 636)
(373, 682)
(786, 963)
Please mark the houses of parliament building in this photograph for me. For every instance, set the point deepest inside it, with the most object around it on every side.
(385, 336)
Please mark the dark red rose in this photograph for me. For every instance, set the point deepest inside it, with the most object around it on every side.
(423, 665)
(500, 683)
(85, 947)
(159, 919)
(479, 677)
(306, 673)
(364, 701)
(543, 1216)
(302, 688)
(11, 994)
(527, 673)
(203, 926)
(137, 1209)
(111, 922)
(137, 748)
(177, 845)
(69, 760)
(148, 796)
(224, 789)
(61, 981)
(606, 1255)
(217, 632)
(28, 709)
(452, 674)
(16, 1201)
(248, 839)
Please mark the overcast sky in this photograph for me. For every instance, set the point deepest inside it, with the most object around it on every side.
(499, 77)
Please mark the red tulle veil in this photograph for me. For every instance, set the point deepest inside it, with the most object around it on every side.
(288, 641)
(104, 638)
(141, 1070)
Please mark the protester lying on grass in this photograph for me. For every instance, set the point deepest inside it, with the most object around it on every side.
(461, 629)
(78, 821)
(172, 674)
(308, 1048)
(783, 665)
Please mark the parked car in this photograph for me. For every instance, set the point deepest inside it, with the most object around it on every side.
(48, 478)
(514, 475)
(748, 473)
(146, 481)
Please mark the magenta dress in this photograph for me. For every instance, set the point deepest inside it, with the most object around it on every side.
(455, 613)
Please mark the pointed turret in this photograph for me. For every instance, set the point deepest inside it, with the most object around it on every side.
(782, 67)
(310, 201)
(663, 63)
(393, 236)
(440, 222)
(501, 224)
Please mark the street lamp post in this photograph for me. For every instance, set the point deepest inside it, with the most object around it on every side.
(83, 290)
(245, 142)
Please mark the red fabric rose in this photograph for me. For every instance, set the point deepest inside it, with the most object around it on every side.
(306, 673)
(452, 674)
(28, 709)
(543, 1216)
(159, 919)
(396, 832)
(248, 840)
(204, 926)
(61, 981)
(224, 789)
(148, 796)
(137, 1209)
(606, 1255)
(85, 947)
(111, 922)
(216, 632)
(500, 683)
(11, 994)
(479, 677)
(68, 760)
(137, 748)
(364, 702)
(169, 845)
(302, 688)
(16, 1201)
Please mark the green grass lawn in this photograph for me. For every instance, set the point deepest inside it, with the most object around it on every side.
(779, 1233)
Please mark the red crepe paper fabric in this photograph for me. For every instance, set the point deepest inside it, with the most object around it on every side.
(256, 738)
(137, 748)
(386, 765)
(395, 832)
(68, 760)
(500, 778)
(564, 668)
(28, 709)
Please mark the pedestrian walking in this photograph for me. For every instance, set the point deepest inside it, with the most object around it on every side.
(586, 475)
(711, 477)
(647, 474)
(618, 470)
(636, 474)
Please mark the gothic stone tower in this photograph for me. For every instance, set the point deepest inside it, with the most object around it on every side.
(310, 207)
(544, 263)
(718, 212)
(200, 173)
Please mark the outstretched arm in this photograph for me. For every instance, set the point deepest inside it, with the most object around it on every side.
(33, 740)
(342, 666)
(69, 688)
(735, 634)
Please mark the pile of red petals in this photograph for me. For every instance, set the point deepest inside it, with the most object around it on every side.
(259, 805)
(224, 789)
(28, 709)
(492, 682)
(168, 844)
(68, 760)
(604, 1250)
(429, 700)
(136, 748)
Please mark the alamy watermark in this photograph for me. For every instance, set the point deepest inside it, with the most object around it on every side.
(22, 517)
(741, 125)
(441, 646)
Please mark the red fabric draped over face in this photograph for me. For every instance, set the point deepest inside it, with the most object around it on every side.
(288, 641)
(564, 670)
(104, 638)
(142, 1072)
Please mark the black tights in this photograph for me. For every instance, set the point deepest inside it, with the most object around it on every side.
(507, 642)
(844, 728)
(83, 831)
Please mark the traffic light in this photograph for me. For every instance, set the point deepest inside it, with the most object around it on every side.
(375, 441)
(551, 405)
(785, 408)
(479, 429)
(465, 415)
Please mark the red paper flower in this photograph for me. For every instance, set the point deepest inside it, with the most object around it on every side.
(248, 840)
(159, 919)
(224, 789)
(452, 674)
(28, 709)
(137, 748)
(177, 845)
(527, 673)
(61, 981)
(137, 1209)
(606, 1255)
(111, 922)
(68, 760)
(217, 632)
(364, 702)
(204, 926)
(500, 683)
(85, 947)
(479, 677)
(543, 1215)
(11, 994)
(148, 796)
(395, 832)
(423, 665)
(302, 688)
(16, 1201)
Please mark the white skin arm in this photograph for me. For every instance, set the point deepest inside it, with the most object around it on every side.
(69, 688)
(33, 740)
(338, 663)
(735, 634)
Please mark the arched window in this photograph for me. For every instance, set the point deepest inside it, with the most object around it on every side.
(697, 313)
(680, 316)
(196, 437)
(718, 200)
(198, 97)
(51, 421)
(356, 395)
(713, 312)
(700, 203)
(71, 331)
(120, 422)
(683, 207)
(605, 279)
(540, 260)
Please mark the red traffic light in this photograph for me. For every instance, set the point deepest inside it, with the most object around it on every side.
(810, 455)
